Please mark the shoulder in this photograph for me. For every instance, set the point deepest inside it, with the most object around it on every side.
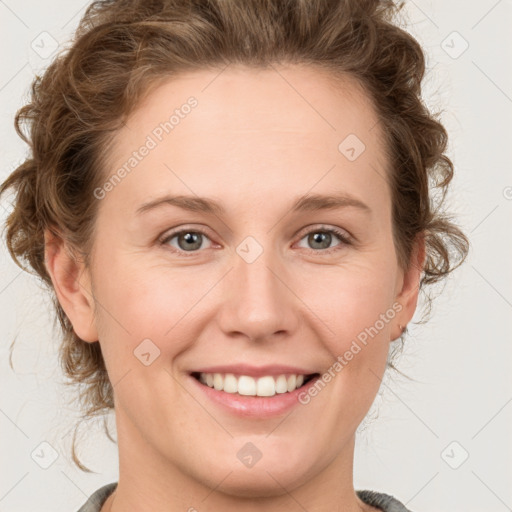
(385, 502)
(96, 500)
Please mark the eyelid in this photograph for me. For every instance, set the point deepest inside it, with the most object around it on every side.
(325, 227)
(178, 230)
(168, 235)
(344, 236)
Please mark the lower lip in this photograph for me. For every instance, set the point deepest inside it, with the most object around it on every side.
(255, 406)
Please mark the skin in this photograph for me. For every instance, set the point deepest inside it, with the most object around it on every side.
(254, 144)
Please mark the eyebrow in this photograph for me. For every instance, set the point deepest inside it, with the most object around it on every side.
(306, 203)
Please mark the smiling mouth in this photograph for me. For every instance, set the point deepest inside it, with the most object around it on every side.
(245, 385)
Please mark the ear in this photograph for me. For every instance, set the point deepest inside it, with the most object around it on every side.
(408, 286)
(72, 284)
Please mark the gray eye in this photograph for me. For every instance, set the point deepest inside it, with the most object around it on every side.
(190, 240)
(187, 240)
(320, 240)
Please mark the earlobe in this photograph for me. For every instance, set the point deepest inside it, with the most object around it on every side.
(72, 286)
(409, 292)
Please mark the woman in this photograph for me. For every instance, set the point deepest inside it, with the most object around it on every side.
(232, 204)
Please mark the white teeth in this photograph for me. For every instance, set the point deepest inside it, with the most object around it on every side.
(281, 384)
(218, 381)
(266, 386)
(230, 384)
(292, 382)
(249, 386)
(246, 385)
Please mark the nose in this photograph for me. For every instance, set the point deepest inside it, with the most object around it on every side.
(257, 302)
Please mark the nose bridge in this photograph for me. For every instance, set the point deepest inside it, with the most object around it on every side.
(257, 303)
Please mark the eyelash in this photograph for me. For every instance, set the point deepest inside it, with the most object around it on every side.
(343, 237)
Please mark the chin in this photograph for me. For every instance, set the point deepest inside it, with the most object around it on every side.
(253, 483)
(268, 477)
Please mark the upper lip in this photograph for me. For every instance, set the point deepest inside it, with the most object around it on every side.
(255, 371)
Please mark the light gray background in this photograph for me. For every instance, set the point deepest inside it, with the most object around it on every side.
(461, 360)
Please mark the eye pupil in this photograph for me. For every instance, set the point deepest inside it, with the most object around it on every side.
(320, 238)
(193, 239)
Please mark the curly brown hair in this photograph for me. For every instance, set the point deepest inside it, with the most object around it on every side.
(123, 48)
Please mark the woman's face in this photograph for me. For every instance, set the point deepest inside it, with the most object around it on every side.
(256, 286)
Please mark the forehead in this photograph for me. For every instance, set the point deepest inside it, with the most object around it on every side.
(243, 100)
(253, 128)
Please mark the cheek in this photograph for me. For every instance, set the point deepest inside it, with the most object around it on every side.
(144, 311)
(351, 299)
(147, 299)
(357, 314)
